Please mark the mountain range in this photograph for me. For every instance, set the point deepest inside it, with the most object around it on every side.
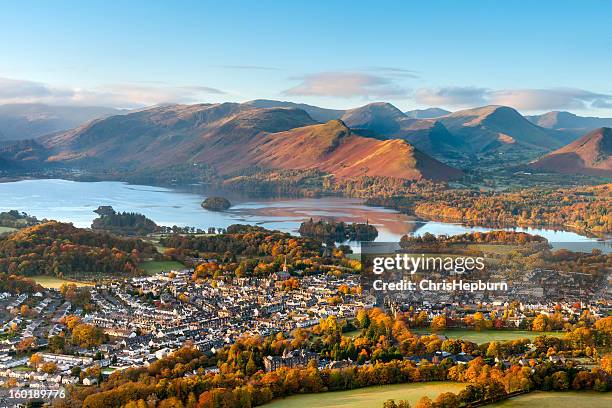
(570, 123)
(374, 140)
(232, 137)
(27, 121)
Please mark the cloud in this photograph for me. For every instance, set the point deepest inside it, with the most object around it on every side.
(16, 89)
(395, 72)
(549, 99)
(522, 99)
(248, 67)
(118, 95)
(347, 84)
(455, 96)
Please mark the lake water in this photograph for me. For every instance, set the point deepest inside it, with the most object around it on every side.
(74, 202)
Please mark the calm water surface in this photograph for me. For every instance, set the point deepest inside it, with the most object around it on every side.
(74, 202)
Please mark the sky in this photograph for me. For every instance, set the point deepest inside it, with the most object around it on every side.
(534, 56)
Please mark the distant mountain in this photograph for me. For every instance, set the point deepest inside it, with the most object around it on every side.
(27, 121)
(385, 121)
(491, 129)
(429, 113)
(318, 114)
(379, 118)
(590, 155)
(568, 122)
(231, 137)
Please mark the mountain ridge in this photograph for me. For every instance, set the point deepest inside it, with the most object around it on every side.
(231, 137)
(589, 155)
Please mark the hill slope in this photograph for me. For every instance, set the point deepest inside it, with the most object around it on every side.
(333, 148)
(590, 155)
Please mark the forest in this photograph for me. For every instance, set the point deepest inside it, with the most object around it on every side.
(332, 231)
(16, 219)
(122, 223)
(585, 209)
(57, 249)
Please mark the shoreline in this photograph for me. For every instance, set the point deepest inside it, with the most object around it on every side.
(189, 189)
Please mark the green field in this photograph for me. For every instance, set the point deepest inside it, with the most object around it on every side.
(53, 282)
(7, 229)
(369, 397)
(352, 333)
(485, 336)
(569, 399)
(153, 267)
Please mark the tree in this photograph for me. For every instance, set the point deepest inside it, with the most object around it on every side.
(25, 344)
(606, 363)
(541, 323)
(447, 400)
(25, 310)
(57, 343)
(86, 335)
(389, 404)
(49, 367)
(35, 360)
(560, 381)
(425, 402)
(438, 323)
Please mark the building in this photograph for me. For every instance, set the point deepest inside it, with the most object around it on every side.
(295, 358)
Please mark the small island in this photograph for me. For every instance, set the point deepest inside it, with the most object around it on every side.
(338, 231)
(122, 223)
(216, 204)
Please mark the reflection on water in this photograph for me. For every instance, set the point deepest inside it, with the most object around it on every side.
(75, 201)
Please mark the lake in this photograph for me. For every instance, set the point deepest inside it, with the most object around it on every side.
(74, 202)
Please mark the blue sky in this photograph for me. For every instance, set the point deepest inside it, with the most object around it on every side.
(536, 56)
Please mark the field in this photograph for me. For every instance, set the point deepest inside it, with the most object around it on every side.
(569, 399)
(53, 282)
(485, 336)
(367, 397)
(153, 267)
(352, 333)
(6, 229)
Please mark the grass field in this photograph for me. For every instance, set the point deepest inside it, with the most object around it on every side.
(53, 282)
(7, 229)
(153, 267)
(352, 333)
(369, 397)
(569, 399)
(485, 336)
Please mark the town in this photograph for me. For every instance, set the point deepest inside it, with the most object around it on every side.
(144, 319)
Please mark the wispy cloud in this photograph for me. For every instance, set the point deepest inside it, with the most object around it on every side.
(248, 67)
(522, 99)
(453, 96)
(347, 84)
(395, 72)
(549, 99)
(116, 95)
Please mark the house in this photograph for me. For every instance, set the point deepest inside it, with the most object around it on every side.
(293, 358)
(89, 381)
